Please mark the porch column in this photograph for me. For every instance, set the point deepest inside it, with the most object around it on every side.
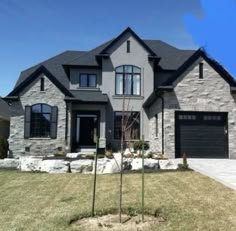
(102, 140)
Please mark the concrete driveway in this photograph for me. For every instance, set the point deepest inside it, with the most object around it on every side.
(222, 170)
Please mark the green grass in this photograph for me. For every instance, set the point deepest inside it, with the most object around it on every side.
(188, 200)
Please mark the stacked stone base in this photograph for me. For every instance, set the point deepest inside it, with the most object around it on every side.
(86, 166)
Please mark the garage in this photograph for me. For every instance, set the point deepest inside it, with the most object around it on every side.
(201, 134)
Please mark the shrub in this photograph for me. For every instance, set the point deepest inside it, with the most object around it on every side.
(138, 145)
(184, 165)
(3, 148)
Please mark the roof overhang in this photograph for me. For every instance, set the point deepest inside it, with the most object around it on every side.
(156, 94)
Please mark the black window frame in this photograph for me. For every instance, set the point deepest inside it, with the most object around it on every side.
(43, 132)
(117, 130)
(128, 46)
(156, 125)
(88, 75)
(124, 73)
(201, 70)
(42, 84)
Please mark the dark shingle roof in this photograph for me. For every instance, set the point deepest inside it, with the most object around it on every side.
(93, 96)
(54, 65)
(88, 58)
(171, 59)
(4, 110)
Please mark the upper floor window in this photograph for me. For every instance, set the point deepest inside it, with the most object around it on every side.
(200, 70)
(40, 121)
(87, 80)
(42, 84)
(128, 46)
(128, 80)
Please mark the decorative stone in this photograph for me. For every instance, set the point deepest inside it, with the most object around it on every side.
(55, 166)
(9, 163)
(148, 164)
(30, 164)
(111, 166)
(168, 164)
(101, 164)
(81, 166)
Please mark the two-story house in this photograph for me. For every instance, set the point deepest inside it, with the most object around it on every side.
(180, 100)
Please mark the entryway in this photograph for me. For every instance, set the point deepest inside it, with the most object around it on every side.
(86, 130)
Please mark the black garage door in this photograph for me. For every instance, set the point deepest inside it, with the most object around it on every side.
(201, 134)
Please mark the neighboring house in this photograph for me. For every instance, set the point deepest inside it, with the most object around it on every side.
(181, 100)
(4, 119)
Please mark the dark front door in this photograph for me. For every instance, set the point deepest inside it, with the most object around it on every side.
(201, 134)
(86, 130)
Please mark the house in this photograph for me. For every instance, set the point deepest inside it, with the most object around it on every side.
(180, 100)
(4, 119)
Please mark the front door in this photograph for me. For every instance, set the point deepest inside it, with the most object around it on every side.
(86, 130)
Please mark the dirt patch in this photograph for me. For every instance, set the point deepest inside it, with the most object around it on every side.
(111, 222)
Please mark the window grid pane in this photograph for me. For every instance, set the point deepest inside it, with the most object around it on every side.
(40, 120)
(128, 80)
(119, 84)
(132, 128)
(92, 80)
(83, 80)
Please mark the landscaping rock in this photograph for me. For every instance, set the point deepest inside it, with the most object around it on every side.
(101, 165)
(81, 166)
(9, 163)
(30, 164)
(148, 164)
(111, 166)
(168, 164)
(55, 166)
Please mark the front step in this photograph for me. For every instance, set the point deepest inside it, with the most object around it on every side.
(86, 150)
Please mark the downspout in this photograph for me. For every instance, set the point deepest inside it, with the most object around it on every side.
(162, 124)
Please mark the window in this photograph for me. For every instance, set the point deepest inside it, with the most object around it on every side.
(156, 125)
(87, 80)
(42, 84)
(128, 80)
(200, 70)
(128, 46)
(41, 121)
(131, 121)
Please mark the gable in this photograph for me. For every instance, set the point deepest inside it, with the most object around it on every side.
(190, 62)
(122, 38)
(39, 71)
(216, 74)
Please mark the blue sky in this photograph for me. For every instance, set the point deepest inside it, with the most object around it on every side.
(32, 30)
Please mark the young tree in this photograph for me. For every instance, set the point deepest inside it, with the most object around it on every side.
(128, 132)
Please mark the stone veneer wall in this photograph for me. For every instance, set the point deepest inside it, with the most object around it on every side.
(29, 96)
(212, 94)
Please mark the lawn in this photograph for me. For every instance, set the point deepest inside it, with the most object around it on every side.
(187, 200)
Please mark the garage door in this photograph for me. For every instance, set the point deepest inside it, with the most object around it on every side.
(201, 134)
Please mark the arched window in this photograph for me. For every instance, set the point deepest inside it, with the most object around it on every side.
(128, 80)
(40, 121)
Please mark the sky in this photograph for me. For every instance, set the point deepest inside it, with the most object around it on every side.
(32, 31)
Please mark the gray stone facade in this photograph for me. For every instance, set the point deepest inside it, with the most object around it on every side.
(211, 94)
(29, 96)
